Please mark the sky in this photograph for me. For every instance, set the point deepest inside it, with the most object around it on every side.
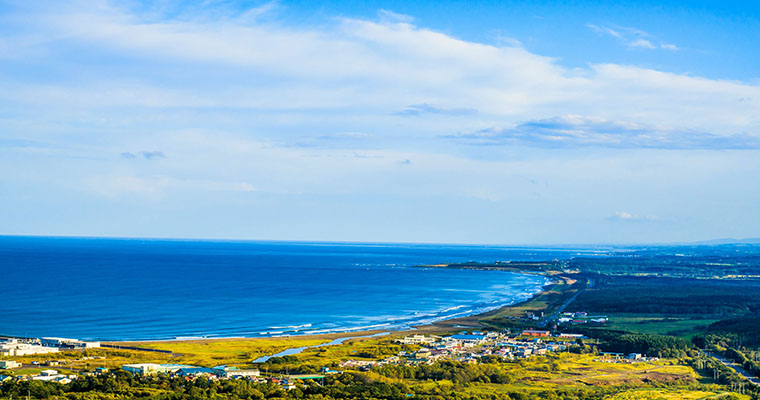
(498, 122)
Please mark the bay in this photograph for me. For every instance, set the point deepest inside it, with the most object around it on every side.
(137, 289)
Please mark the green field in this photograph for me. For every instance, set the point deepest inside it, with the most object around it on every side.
(657, 324)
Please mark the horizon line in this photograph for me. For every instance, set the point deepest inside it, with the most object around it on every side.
(705, 242)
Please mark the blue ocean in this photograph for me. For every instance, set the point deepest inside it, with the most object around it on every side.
(135, 289)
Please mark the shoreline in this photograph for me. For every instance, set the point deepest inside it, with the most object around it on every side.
(443, 325)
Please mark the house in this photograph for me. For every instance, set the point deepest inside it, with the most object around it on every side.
(469, 338)
(423, 353)
(51, 375)
(535, 333)
(418, 339)
(571, 336)
(243, 373)
(634, 356)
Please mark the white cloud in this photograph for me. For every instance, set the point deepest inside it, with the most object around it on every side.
(643, 43)
(367, 68)
(632, 37)
(628, 217)
(571, 131)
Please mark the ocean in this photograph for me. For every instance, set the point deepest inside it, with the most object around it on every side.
(135, 289)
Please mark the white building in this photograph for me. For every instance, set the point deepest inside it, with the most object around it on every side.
(51, 375)
(8, 364)
(142, 369)
(68, 343)
(242, 373)
(13, 348)
(418, 339)
(148, 368)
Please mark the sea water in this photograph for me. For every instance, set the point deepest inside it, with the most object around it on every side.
(135, 289)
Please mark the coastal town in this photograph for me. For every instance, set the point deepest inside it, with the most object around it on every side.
(469, 347)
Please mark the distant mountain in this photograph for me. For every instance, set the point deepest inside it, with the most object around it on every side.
(716, 242)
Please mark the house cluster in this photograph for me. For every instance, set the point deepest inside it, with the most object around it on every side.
(581, 317)
(470, 347)
(218, 372)
(620, 358)
(191, 372)
(48, 375)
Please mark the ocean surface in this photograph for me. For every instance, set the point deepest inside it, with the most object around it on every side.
(134, 289)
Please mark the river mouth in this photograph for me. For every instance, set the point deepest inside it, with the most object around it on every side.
(297, 350)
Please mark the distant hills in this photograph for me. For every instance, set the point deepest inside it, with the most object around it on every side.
(715, 242)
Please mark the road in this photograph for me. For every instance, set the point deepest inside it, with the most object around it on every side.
(736, 367)
(561, 308)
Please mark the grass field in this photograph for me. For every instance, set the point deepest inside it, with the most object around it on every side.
(665, 394)
(579, 372)
(657, 324)
(241, 352)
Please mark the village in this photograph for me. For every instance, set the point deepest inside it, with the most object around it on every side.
(466, 347)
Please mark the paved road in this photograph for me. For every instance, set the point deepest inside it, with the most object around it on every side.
(561, 308)
(736, 367)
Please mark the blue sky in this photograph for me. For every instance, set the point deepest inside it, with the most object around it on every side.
(466, 122)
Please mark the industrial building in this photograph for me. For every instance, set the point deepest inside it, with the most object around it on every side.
(68, 343)
(8, 364)
(149, 369)
(12, 347)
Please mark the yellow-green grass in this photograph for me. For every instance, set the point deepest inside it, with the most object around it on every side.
(585, 370)
(209, 353)
(579, 372)
(377, 348)
(240, 352)
(72, 361)
(670, 394)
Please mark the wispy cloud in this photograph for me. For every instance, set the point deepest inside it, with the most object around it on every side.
(632, 37)
(583, 131)
(624, 216)
(153, 155)
(390, 16)
(340, 140)
(148, 155)
(416, 110)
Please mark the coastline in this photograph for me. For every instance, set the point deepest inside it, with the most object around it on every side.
(446, 325)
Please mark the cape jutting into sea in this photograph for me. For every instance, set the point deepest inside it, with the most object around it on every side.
(134, 289)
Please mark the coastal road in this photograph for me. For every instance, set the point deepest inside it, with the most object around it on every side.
(561, 308)
(736, 367)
